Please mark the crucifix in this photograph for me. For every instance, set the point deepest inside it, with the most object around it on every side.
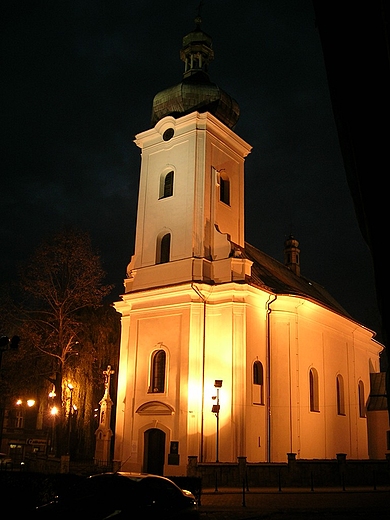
(107, 373)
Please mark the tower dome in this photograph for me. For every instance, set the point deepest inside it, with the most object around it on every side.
(196, 92)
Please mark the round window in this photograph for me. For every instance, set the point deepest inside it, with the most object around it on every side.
(168, 134)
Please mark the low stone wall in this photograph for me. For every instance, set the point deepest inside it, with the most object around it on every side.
(339, 473)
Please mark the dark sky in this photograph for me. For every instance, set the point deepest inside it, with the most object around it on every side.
(78, 80)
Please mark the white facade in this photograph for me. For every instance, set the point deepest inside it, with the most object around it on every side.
(295, 373)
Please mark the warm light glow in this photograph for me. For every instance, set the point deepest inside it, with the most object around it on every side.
(30, 402)
(54, 410)
(70, 386)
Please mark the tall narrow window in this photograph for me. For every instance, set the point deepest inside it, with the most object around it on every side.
(340, 395)
(362, 404)
(258, 383)
(314, 391)
(163, 249)
(19, 419)
(224, 190)
(166, 185)
(157, 376)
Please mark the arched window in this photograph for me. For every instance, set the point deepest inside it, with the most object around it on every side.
(166, 185)
(224, 189)
(340, 395)
(362, 404)
(257, 373)
(157, 374)
(314, 391)
(163, 249)
(258, 383)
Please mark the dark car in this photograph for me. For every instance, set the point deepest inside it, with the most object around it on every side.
(120, 496)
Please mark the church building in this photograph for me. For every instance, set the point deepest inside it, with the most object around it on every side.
(225, 352)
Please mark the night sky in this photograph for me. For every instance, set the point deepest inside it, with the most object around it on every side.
(79, 79)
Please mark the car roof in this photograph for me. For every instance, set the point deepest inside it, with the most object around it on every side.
(134, 476)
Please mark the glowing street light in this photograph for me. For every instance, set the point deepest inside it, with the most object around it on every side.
(215, 409)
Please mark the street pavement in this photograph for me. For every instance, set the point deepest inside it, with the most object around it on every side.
(295, 504)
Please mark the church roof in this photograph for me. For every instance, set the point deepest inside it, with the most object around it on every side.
(196, 92)
(269, 274)
(378, 396)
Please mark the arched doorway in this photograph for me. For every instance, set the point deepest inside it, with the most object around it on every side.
(154, 451)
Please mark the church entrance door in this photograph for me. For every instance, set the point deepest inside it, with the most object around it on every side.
(154, 451)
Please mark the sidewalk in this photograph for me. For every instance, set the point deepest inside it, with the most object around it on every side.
(236, 504)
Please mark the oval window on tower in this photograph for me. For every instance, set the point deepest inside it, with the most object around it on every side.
(168, 134)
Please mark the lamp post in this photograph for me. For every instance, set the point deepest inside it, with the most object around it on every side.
(215, 409)
(71, 388)
(53, 413)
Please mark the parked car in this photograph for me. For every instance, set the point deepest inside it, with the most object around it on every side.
(122, 495)
(5, 461)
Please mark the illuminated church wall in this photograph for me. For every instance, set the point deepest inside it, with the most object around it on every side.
(302, 336)
(307, 336)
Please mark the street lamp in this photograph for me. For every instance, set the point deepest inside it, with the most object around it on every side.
(215, 409)
(53, 410)
(71, 388)
(53, 413)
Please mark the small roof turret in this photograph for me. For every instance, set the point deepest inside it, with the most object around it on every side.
(197, 51)
(291, 254)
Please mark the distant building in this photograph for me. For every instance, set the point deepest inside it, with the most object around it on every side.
(225, 352)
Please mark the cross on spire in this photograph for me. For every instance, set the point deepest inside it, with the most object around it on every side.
(200, 9)
(198, 19)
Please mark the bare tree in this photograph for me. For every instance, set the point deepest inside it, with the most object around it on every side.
(62, 279)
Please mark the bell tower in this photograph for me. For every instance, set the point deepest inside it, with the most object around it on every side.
(190, 218)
